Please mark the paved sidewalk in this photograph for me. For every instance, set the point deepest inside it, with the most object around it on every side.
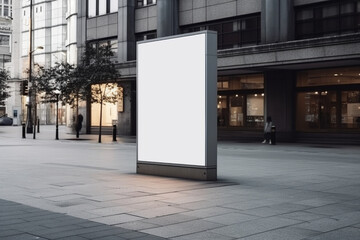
(75, 189)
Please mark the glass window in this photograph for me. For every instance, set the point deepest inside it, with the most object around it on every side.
(323, 77)
(140, 3)
(237, 82)
(347, 8)
(316, 110)
(305, 14)
(91, 8)
(6, 1)
(330, 11)
(255, 110)
(114, 5)
(350, 109)
(102, 7)
(222, 110)
(236, 111)
(4, 40)
(6, 11)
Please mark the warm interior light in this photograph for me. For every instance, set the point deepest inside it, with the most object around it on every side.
(236, 95)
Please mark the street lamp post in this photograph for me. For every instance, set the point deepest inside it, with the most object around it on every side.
(32, 97)
(57, 93)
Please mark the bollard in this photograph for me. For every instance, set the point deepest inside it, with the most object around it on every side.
(273, 135)
(114, 133)
(38, 125)
(23, 130)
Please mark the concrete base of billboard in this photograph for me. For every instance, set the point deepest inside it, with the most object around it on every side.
(195, 173)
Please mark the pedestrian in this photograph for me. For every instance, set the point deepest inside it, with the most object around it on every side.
(267, 130)
(78, 127)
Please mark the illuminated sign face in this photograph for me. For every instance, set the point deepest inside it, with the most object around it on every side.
(176, 100)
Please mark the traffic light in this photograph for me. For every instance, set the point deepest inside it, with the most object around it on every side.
(24, 87)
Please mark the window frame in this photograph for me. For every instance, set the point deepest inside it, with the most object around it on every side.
(320, 25)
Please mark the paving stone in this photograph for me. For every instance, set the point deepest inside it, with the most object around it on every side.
(169, 220)
(302, 216)
(157, 212)
(180, 229)
(202, 236)
(137, 225)
(9, 232)
(23, 236)
(289, 233)
(254, 227)
(117, 219)
(343, 234)
(231, 218)
(332, 209)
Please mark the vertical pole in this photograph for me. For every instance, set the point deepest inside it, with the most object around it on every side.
(114, 133)
(38, 125)
(29, 115)
(23, 131)
(57, 117)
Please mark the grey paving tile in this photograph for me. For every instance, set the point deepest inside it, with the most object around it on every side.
(73, 238)
(348, 233)
(330, 224)
(203, 235)
(104, 233)
(254, 227)
(332, 209)
(137, 225)
(180, 229)
(9, 232)
(289, 233)
(169, 220)
(276, 209)
(231, 218)
(317, 202)
(157, 212)
(208, 212)
(302, 216)
(117, 219)
(23, 236)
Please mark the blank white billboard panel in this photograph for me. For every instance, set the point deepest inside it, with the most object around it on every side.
(172, 93)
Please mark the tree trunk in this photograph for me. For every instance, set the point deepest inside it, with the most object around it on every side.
(101, 107)
(77, 117)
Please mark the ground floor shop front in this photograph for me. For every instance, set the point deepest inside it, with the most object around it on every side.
(304, 104)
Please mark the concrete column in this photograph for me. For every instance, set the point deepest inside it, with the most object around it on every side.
(280, 98)
(126, 31)
(277, 21)
(167, 18)
(127, 118)
(81, 27)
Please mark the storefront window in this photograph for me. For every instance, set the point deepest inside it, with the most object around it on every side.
(236, 111)
(255, 110)
(350, 109)
(222, 110)
(241, 101)
(328, 100)
(241, 82)
(323, 77)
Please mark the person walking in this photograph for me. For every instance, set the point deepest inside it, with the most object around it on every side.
(267, 130)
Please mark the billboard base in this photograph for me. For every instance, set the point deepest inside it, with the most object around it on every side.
(188, 172)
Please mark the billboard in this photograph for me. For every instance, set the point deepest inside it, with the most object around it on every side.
(176, 100)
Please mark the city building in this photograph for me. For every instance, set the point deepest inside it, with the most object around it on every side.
(5, 47)
(297, 61)
(48, 27)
